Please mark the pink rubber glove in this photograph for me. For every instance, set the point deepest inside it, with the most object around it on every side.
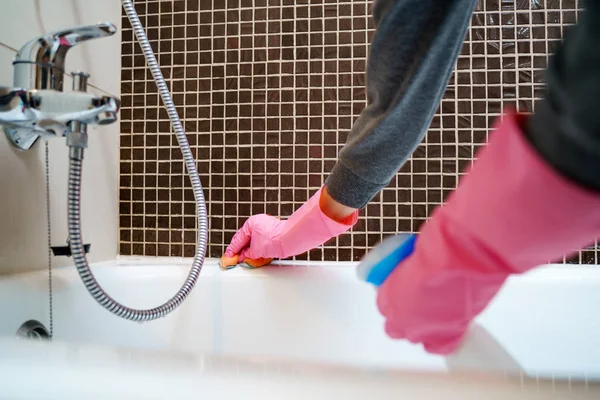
(264, 236)
(511, 213)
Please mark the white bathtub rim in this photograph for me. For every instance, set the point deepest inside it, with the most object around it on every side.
(549, 272)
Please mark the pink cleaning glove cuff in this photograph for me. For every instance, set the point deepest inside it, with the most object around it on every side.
(512, 212)
(306, 229)
(309, 227)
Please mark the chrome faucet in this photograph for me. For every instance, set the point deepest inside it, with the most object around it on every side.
(37, 106)
(40, 64)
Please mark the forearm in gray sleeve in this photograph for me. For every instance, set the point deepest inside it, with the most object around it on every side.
(413, 53)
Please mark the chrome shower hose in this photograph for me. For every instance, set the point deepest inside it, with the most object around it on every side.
(74, 194)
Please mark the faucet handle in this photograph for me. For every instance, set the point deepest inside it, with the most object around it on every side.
(40, 63)
(74, 36)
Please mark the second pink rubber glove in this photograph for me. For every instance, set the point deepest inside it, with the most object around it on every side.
(511, 213)
(266, 237)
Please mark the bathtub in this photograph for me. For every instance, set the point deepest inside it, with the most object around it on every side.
(240, 331)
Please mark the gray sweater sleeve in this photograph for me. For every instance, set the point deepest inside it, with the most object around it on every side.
(413, 52)
(565, 128)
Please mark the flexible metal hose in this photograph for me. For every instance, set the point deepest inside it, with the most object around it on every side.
(74, 193)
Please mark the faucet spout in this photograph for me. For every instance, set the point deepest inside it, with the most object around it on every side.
(40, 64)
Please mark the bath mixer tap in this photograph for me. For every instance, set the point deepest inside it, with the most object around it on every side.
(40, 64)
(37, 106)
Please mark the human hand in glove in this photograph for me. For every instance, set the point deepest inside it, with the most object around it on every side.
(263, 237)
(511, 212)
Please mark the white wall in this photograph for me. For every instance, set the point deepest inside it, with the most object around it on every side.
(23, 234)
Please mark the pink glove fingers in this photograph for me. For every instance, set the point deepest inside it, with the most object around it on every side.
(240, 240)
(266, 237)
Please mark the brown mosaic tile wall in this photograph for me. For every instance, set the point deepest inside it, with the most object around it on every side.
(268, 91)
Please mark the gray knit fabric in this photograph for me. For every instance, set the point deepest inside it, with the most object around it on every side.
(413, 53)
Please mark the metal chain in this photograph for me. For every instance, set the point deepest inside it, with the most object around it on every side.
(50, 294)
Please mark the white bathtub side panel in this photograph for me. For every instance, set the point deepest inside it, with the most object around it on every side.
(305, 314)
(323, 316)
(544, 323)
